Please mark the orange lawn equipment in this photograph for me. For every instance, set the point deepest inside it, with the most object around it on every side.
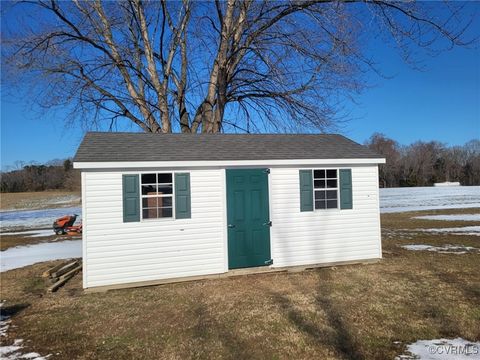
(64, 225)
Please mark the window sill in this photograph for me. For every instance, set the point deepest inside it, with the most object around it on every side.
(157, 219)
(331, 210)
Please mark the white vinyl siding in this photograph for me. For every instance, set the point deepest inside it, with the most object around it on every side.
(116, 252)
(316, 237)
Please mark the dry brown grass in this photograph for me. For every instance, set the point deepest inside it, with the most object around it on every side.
(347, 312)
(8, 241)
(33, 200)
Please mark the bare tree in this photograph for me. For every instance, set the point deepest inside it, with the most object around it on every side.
(390, 149)
(206, 66)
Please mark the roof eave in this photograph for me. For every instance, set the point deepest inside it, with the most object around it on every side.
(221, 163)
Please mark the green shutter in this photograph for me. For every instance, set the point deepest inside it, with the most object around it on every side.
(131, 198)
(306, 190)
(346, 189)
(182, 196)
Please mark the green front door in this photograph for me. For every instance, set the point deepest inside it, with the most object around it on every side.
(248, 218)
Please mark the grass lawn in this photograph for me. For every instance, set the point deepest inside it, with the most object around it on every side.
(39, 199)
(346, 312)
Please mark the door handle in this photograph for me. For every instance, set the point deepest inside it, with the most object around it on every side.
(269, 223)
(231, 226)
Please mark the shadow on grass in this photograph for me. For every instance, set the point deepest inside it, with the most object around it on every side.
(12, 310)
(426, 303)
(336, 332)
(469, 290)
(208, 329)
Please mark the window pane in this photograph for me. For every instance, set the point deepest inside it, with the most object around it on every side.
(164, 201)
(331, 173)
(164, 178)
(165, 212)
(331, 204)
(319, 195)
(320, 204)
(164, 189)
(149, 178)
(150, 202)
(149, 190)
(319, 174)
(332, 183)
(150, 213)
(319, 184)
(332, 194)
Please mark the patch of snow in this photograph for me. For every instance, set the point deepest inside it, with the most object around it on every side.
(21, 256)
(32, 233)
(444, 249)
(21, 219)
(428, 198)
(13, 352)
(5, 350)
(464, 230)
(447, 183)
(442, 349)
(452, 217)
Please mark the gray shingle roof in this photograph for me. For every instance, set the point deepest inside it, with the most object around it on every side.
(109, 146)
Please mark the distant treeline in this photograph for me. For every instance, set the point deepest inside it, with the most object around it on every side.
(426, 163)
(57, 174)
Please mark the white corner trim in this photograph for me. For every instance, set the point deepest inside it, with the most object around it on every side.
(219, 163)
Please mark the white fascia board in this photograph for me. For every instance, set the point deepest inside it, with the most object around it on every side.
(220, 163)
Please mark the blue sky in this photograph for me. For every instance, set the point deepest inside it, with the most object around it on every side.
(441, 103)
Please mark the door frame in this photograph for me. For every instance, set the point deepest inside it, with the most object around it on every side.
(225, 215)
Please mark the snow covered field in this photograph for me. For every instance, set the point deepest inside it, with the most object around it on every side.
(34, 219)
(21, 256)
(452, 217)
(464, 230)
(428, 198)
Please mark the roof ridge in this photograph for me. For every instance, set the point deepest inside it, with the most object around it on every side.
(214, 134)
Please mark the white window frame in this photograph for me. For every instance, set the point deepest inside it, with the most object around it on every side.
(337, 188)
(172, 195)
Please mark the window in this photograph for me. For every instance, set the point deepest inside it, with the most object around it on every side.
(325, 188)
(157, 195)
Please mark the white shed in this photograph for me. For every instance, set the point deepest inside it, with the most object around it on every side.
(171, 207)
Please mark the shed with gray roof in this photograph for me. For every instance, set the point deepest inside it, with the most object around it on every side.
(171, 207)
